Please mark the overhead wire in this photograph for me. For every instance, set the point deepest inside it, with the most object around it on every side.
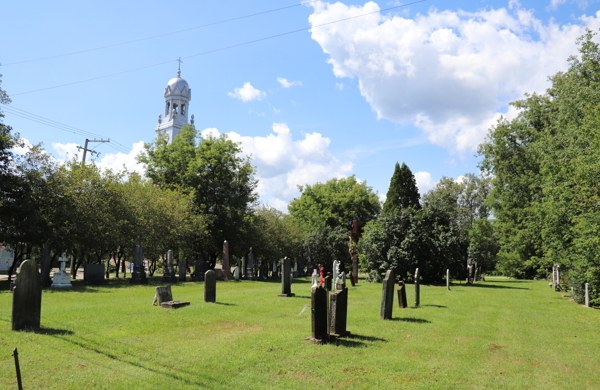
(164, 34)
(222, 48)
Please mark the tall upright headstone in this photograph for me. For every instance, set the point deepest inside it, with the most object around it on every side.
(587, 295)
(315, 276)
(210, 286)
(448, 279)
(338, 312)
(250, 266)
(226, 266)
(417, 289)
(182, 270)
(27, 297)
(46, 266)
(401, 289)
(168, 275)
(319, 315)
(387, 296)
(138, 276)
(61, 279)
(286, 279)
(558, 277)
(93, 274)
(200, 267)
(336, 269)
(237, 274)
(274, 270)
(554, 277)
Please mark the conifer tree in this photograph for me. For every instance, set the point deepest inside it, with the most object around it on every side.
(403, 190)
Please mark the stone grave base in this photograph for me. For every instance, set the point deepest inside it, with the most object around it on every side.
(317, 341)
(174, 304)
(61, 286)
(287, 295)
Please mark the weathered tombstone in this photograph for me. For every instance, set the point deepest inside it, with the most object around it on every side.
(168, 275)
(314, 279)
(93, 274)
(61, 279)
(274, 271)
(587, 295)
(46, 266)
(341, 281)
(401, 289)
(557, 277)
(210, 286)
(226, 267)
(319, 316)
(199, 270)
(286, 279)
(237, 275)
(261, 270)
(163, 294)
(336, 268)
(182, 270)
(27, 297)
(328, 282)
(250, 266)
(387, 296)
(469, 273)
(417, 289)
(138, 276)
(339, 313)
(448, 279)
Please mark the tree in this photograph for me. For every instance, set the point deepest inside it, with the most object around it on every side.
(403, 190)
(483, 244)
(222, 183)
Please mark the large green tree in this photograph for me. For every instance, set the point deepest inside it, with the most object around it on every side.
(403, 191)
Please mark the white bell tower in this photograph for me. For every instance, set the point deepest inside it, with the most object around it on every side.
(178, 95)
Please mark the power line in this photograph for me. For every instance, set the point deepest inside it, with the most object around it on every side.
(60, 126)
(222, 48)
(164, 34)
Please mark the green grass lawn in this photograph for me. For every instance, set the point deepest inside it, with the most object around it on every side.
(499, 334)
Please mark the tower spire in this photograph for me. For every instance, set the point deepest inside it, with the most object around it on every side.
(179, 68)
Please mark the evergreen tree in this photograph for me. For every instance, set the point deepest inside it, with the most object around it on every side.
(403, 190)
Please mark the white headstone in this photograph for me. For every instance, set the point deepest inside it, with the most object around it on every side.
(587, 295)
(336, 270)
(61, 279)
(315, 283)
(448, 279)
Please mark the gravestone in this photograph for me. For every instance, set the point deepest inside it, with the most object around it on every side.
(328, 282)
(250, 266)
(46, 266)
(557, 277)
(138, 276)
(448, 279)
(199, 270)
(295, 269)
(163, 294)
(339, 313)
(226, 268)
(261, 270)
(315, 283)
(286, 279)
(587, 295)
(417, 289)
(210, 286)
(401, 289)
(554, 277)
(237, 275)
(182, 270)
(336, 269)
(27, 297)
(387, 296)
(61, 279)
(93, 274)
(319, 316)
(274, 270)
(341, 281)
(169, 275)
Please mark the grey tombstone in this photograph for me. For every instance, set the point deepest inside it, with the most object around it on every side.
(319, 315)
(401, 289)
(182, 270)
(274, 271)
(387, 296)
(336, 269)
(417, 289)
(61, 279)
(199, 270)
(237, 271)
(448, 279)
(339, 313)
(93, 274)
(286, 279)
(163, 294)
(587, 295)
(250, 266)
(328, 282)
(210, 286)
(27, 297)
(138, 276)
(168, 275)
(226, 267)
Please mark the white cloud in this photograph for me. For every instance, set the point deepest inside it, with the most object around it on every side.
(288, 84)
(424, 182)
(339, 86)
(280, 205)
(554, 4)
(247, 93)
(449, 73)
(382, 197)
(283, 163)
(115, 161)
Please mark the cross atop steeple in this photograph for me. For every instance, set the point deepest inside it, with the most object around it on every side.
(179, 69)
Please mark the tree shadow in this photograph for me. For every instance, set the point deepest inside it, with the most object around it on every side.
(411, 319)
(438, 306)
(481, 285)
(365, 338)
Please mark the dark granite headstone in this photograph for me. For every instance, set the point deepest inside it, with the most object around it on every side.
(93, 274)
(401, 289)
(27, 297)
(168, 275)
(328, 282)
(339, 313)
(210, 286)
(138, 276)
(319, 315)
(199, 270)
(387, 296)
(417, 288)
(286, 280)
(182, 270)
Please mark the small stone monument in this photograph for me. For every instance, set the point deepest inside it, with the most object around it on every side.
(237, 275)
(250, 266)
(286, 280)
(336, 270)
(46, 266)
(210, 286)
(226, 267)
(339, 313)
(27, 297)
(61, 279)
(401, 289)
(274, 270)
(182, 270)
(168, 275)
(93, 274)
(448, 279)
(138, 276)
(554, 277)
(164, 298)
(417, 289)
(587, 295)
(315, 283)
(387, 296)
(319, 316)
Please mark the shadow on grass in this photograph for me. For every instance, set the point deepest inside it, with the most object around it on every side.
(349, 343)
(225, 303)
(486, 285)
(53, 332)
(300, 296)
(411, 319)
(438, 306)
(365, 338)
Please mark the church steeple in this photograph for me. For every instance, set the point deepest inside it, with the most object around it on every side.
(178, 95)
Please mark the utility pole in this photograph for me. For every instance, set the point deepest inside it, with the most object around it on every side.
(85, 148)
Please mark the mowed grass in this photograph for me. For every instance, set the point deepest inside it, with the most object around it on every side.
(499, 334)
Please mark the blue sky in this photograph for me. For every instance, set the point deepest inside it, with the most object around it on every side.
(419, 84)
